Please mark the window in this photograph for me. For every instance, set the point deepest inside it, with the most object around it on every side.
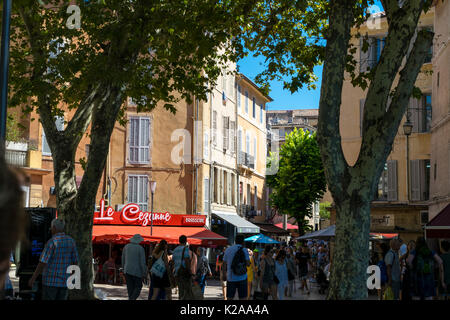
(205, 145)
(138, 191)
(239, 97)
(254, 149)
(59, 122)
(233, 136)
(139, 143)
(216, 185)
(387, 186)
(246, 102)
(206, 196)
(226, 129)
(261, 113)
(370, 58)
(254, 108)
(420, 112)
(255, 201)
(240, 140)
(214, 131)
(247, 143)
(420, 179)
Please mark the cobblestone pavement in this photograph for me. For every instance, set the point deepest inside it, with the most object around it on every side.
(213, 291)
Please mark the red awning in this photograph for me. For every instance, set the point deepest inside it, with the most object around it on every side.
(288, 226)
(439, 226)
(122, 234)
(383, 236)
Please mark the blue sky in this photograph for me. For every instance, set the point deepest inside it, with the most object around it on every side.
(283, 99)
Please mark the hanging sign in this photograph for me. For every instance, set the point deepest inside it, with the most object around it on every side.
(131, 214)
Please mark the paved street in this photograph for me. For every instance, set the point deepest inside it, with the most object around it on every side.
(213, 291)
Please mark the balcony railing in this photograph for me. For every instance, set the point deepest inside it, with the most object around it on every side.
(16, 158)
(246, 159)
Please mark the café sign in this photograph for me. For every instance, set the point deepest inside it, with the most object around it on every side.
(384, 220)
(131, 214)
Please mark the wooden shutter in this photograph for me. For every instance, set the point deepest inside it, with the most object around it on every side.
(361, 116)
(239, 98)
(424, 184)
(226, 132)
(205, 145)
(392, 180)
(214, 131)
(133, 145)
(206, 196)
(363, 57)
(415, 179)
(144, 145)
(229, 188)
(233, 136)
(414, 113)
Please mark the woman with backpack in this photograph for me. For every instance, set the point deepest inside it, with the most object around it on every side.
(203, 268)
(422, 263)
(268, 283)
(159, 270)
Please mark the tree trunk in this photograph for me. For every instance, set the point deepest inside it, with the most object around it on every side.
(351, 254)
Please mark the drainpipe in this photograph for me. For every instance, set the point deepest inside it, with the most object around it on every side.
(211, 168)
(238, 151)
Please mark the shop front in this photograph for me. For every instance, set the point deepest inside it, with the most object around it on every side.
(112, 230)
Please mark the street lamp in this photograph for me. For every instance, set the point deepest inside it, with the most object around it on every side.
(407, 129)
(152, 189)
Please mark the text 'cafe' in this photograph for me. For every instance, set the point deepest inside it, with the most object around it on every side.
(117, 227)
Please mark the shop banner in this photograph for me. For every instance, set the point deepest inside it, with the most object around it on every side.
(131, 214)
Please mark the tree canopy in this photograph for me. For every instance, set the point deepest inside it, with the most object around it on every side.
(300, 180)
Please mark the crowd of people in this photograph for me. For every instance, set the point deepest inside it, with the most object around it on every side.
(271, 272)
(411, 271)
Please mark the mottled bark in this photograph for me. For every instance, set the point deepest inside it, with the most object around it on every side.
(352, 187)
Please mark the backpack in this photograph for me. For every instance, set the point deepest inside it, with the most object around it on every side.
(424, 265)
(203, 268)
(239, 265)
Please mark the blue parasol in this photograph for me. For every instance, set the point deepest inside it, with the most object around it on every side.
(260, 238)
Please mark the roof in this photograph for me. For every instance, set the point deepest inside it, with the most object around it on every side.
(296, 112)
(270, 228)
(244, 77)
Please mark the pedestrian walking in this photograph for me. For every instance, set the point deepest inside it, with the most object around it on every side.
(292, 272)
(406, 272)
(393, 270)
(251, 273)
(422, 261)
(281, 272)
(236, 260)
(203, 268)
(222, 272)
(268, 281)
(159, 272)
(185, 267)
(304, 262)
(59, 253)
(445, 256)
(134, 267)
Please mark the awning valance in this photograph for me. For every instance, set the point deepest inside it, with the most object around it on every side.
(242, 225)
(269, 228)
(122, 234)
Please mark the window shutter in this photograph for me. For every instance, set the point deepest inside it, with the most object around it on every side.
(214, 132)
(239, 98)
(205, 145)
(239, 140)
(59, 122)
(144, 130)
(414, 113)
(254, 150)
(229, 188)
(233, 136)
(392, 180)
(361, 116)
(246, 102)
(45, 147)
(206, 196)
(363, 57)
(415, 180)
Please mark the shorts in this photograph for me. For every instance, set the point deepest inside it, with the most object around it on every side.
(240, 286)
(223, 283)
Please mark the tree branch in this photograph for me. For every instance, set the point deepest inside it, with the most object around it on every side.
(390, 8)
(328, 133)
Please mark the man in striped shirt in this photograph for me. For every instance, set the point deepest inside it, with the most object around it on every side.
(59, 253)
